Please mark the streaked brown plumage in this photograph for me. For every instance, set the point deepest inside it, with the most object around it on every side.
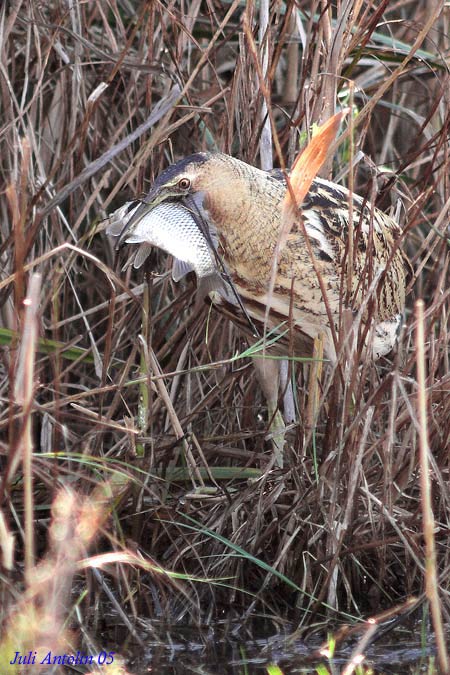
(238, 208)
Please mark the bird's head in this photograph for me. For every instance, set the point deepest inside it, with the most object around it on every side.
(224, 187)
(184, 179)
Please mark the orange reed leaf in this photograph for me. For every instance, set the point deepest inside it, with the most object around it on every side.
(308, 164)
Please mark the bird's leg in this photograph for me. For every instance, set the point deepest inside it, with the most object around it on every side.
(268, 374)
(289, 413)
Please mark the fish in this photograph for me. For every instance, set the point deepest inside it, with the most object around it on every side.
(170, 226)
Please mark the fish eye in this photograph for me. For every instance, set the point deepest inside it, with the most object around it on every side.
(184, 183)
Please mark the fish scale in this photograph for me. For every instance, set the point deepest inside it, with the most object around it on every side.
(169, 226)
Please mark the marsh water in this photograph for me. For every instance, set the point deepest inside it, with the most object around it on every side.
(225, 649)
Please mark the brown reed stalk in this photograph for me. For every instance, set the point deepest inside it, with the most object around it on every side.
(90, 148)
(431, 572)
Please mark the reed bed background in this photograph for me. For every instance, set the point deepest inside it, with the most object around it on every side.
(133, 431)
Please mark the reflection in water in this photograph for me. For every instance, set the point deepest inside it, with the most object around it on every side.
(223, 649)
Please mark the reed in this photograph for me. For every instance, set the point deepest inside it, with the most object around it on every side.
(126, 384)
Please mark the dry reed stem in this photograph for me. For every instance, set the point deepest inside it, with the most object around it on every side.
(24, 393)
(54, 66)
(431, 575)
(314, 383)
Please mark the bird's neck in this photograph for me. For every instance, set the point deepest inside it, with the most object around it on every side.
(244, 205)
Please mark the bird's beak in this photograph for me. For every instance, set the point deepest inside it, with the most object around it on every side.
(141, 211)
(155, 196)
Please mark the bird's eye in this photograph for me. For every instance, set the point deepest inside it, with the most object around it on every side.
(184, 183)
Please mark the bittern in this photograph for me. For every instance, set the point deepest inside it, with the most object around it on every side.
(222, 218)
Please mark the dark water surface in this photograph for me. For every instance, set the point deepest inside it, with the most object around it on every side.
(237, 650)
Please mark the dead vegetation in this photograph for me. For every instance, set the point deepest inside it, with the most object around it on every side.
(133, 387)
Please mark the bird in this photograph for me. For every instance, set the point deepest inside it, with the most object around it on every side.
(222, 218)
